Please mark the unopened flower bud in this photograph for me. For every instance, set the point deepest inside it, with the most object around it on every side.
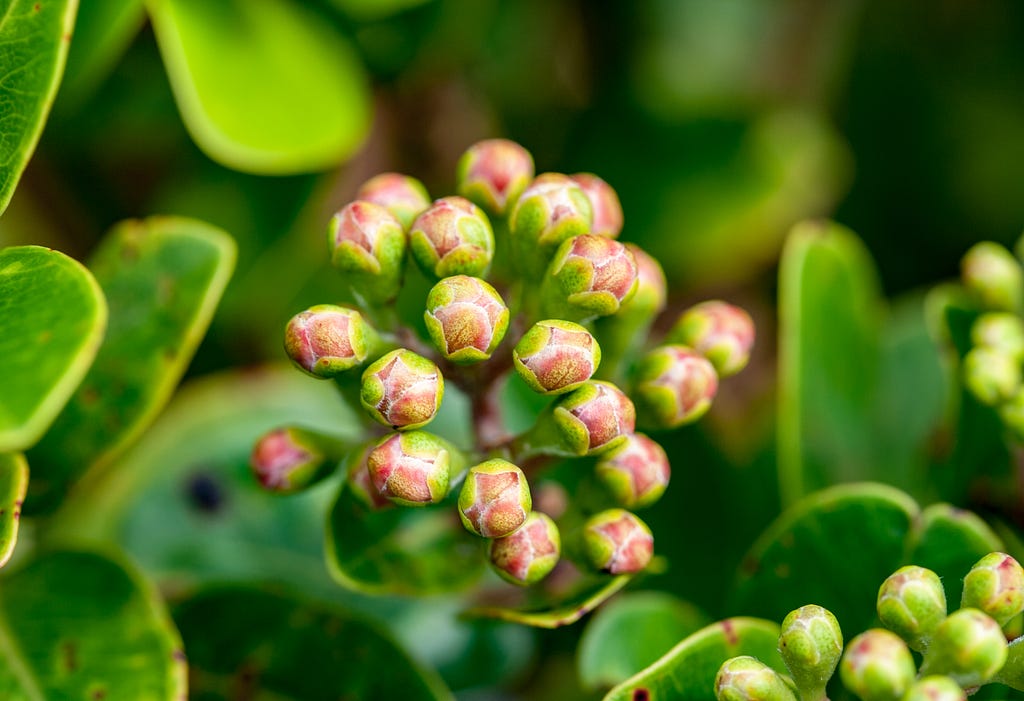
(993, 276)
(995, 585)
(289, 459)
(617, 542)
(636, 473)
(968, 646)
(589, 276)
(402, 195)
(452, 237)
(555, 357)
(530, 553)
(651, 286)
(326, 340)
(466, 318)
(551, 210)
(412, 468)
(361, 484)
(912, 603)
(674, 386)
(935, 688)
(493, 174)
(810, 644)
(721, 332)
(495, 499)
(402, 390)
(604, 203)
(877, 666)
(748, 679)
(594, 418)
(367, 244)
(1001, 331)
(992, 376)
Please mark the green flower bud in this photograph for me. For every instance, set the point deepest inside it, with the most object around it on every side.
(992, 376)
(1001, 331)
(403, 196)
(877, 666)
(636, 473)
(935, 688)
(493, 174)
(555, 357)
(912, 603)
(617, 542)
(721, 332)
(748, 679)
(968, 646)
(674, 386)
(995, 585)
(367, 244)
(810, 644)
(326, 340)
(604, 203)
(402, 390)
(589, 276)
(551, 210)
(452, 237)
(651, 286)
(466, 318)
(289, 459)
(530, 553)
(594, 418)
(495, 499)
(361, 484)
(412, 468)
(993, 276)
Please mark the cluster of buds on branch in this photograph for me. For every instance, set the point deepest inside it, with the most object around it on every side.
(528, 284)
(959, 651)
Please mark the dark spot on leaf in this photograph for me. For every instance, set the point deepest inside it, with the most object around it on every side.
(99, 694)
(729, 632)
(641, 695)
(205, 492)
(750, 566)
(69, 656)
(36, 7)
(179, 656)
(90, 396)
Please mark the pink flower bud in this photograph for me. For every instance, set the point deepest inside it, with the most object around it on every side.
(721, 332)
(411, 468)
(402, 390)
(636, 473)
(403, 196)
(551, 210)
(495, 499)
(605, 204)
(452, 237)
(493, 173)
(555, 357)
(466, 318)
(589, 276)
(368, 244)
(594, 418)
(618, 542)
(530, 553)
(361, 484)
(326, 340)
(675, 386)
(288, 459)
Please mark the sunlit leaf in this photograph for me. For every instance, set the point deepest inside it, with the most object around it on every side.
(13, 482)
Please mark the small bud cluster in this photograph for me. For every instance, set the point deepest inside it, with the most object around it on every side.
(529, 282)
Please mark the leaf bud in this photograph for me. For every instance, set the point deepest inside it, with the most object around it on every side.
(326, 340)
(746, 678)
(992, 376)
(402, 195)
(912, 603)
(935, 688)
(412, 468)
(1001, 331)
(968, 646)
(452, 237)
(636, 473)
(721, 332)
(289, 459)
(594, 418)
(527, 556)
(617, 542)
(993, 276)
(589, 276)
(877, 666)
(995, 585)
(402, 390)
(810, 644)
(674, 386)
(555, 356)
(493, 174)
(604, 203)
(466, 318)
(551, 210)
(495, 499)
(367, 244)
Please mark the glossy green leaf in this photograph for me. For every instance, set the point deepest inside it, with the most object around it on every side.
(688, 670)
(162, 278)
(405, 551)
(246, 643)
(13, 483)
(563, 611)
(79, 626)
(52, 317)
(264, 86)
(34, 36)
(631, 633)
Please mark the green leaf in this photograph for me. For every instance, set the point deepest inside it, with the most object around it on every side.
(830, 313)
(52, 317)
(245, 643)
(688, 670)
(162, 278)
(369, 10)
(631, 633)
(34, 36)
(80, 626)
(264, 86)
(13, 483)
(563, 611)
(405, 551)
